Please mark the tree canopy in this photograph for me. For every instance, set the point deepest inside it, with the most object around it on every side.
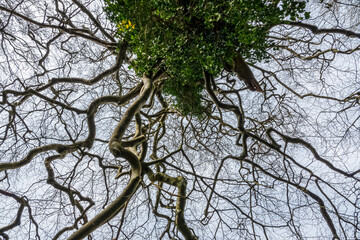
(179, 119)
(187, 37)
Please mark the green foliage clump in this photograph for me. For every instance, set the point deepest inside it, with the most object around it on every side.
(188, 36)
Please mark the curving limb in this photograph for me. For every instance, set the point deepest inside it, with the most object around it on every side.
(100, 142)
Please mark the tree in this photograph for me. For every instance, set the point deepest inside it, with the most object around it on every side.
(106, 135)
(187, 38)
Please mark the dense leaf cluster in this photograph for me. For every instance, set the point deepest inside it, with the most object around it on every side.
(191, 35)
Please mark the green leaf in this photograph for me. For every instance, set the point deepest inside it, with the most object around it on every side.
(189, 38)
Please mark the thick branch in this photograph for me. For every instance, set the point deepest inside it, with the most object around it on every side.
(17, 220)
(180, 183)
(109, 212)
(119, 61)
(312, 150)
(222, 105)
(119, 151)
(130, 113)
(315, 30)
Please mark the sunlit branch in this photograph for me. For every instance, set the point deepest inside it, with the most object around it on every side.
(180, 183)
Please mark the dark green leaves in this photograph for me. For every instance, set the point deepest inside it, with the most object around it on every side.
(191, 35)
